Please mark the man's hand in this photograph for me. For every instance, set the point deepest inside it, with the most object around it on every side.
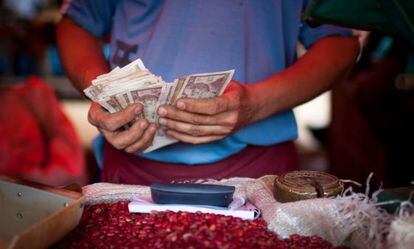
(136, 138)
(205, 120)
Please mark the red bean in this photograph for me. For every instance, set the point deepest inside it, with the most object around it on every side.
(112, 226)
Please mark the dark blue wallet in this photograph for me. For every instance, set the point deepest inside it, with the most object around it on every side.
(192, 194)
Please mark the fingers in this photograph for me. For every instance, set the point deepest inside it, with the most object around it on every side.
(228, 101)
(171, 113)
(195, 130)
(122, 139)
(136, 138)
(144, 142)
(168, 111)
(191, 139)
(102, 119)
(204, 106)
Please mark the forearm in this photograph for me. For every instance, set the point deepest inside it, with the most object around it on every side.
(326, 63)
(80, 53)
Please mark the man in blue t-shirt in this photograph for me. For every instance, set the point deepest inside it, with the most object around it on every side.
(245, 132)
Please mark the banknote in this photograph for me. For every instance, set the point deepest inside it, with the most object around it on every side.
(207, 85)
(148, 97)
(110, 104)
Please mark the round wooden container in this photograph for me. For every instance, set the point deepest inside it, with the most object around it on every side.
(302, 185)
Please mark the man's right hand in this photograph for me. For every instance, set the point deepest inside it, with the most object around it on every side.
(136, 138)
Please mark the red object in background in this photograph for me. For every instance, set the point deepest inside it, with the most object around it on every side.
(37, 141)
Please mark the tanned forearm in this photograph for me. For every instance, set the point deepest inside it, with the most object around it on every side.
(80, 52)
(83, 60)
(326, 63)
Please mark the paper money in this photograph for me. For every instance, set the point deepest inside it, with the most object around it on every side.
(148, 97)
(134, 83)
(207, 85)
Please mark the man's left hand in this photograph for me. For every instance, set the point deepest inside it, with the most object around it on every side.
(198, 121)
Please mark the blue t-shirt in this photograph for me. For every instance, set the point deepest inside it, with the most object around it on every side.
(181, 37)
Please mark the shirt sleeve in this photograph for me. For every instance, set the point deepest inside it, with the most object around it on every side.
(93, 15)
(309, 35)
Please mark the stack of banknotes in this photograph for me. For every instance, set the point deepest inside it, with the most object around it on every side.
(134, 83)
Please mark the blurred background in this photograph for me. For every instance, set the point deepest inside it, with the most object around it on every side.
(365, 124)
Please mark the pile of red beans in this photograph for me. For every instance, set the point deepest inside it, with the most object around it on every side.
(112, 226)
